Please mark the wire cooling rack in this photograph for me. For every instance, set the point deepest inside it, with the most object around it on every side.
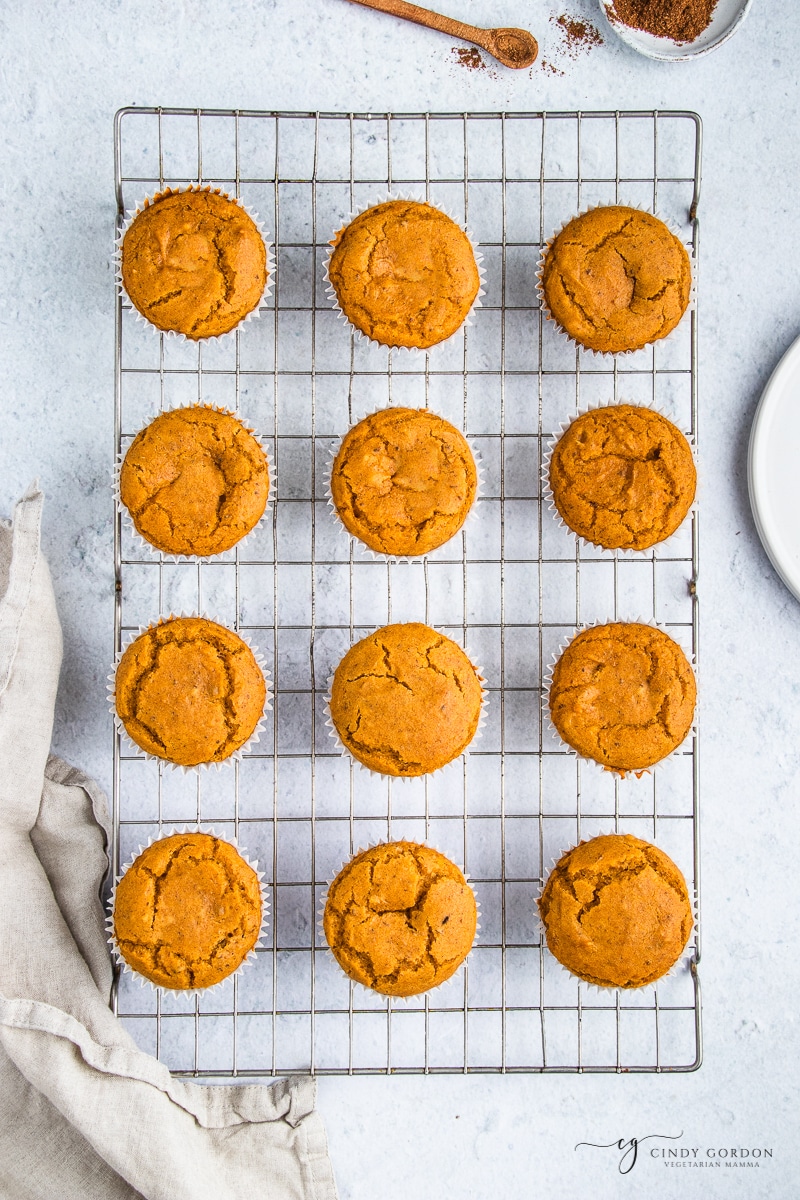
(511, 587)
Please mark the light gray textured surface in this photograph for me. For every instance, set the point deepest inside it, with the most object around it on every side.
(65, 69)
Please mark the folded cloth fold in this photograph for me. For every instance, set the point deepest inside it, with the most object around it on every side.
(83, 1112)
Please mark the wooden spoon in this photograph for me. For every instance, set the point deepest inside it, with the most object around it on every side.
(511, 47)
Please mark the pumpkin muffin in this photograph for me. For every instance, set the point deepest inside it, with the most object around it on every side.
(616, 911)
(403, 481)
(400, 918)
(623, 695)
(194, 262)
(404, 274)
(406, 700)
(622, 477)
(189, 691)
(616, 279)
(187, 912)
(195, 481)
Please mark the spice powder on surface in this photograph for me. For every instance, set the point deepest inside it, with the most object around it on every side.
(578, 34)
(681, 20)
(469, 58)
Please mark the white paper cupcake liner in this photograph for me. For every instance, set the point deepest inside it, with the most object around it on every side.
(366, 551)
(330, 291)
(148, 200)
(549, 499)
(361, 988)
(613, 354)
(249, 957)
(136, 749)
(683, 960)
(547, 683)
(164, 555)
(345, 753)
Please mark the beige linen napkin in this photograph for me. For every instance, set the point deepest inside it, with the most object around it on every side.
(83, 1112)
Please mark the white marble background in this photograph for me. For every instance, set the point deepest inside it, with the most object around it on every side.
(64, 69)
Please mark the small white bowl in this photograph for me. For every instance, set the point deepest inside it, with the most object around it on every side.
(727, 18)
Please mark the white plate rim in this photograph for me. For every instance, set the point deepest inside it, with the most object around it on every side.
(621, 32)
(758, 462)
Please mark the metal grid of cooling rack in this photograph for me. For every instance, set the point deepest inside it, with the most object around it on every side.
(512, 586)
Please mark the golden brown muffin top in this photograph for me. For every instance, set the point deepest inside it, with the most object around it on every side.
(194, 262)
(190, 691)
(616, 911)
(406, 700)
(404, 274)
(195, 481)
(623, 477)
(187, 912)
(400, 918)
(624, 695)
(403, 481)
(616, 279)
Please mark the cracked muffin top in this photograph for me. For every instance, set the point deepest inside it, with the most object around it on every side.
(406, 700)
(400, 918)
(403, 481)
(623, 695)
(189, 691)
(195, 481)
(194, 262)
(616, 279)
(187, 912)
(404, 274)
(622, 477)
(616, 911)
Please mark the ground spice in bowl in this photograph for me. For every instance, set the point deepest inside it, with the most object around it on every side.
(680, 20)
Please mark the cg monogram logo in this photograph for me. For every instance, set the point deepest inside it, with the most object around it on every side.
(630, 1148)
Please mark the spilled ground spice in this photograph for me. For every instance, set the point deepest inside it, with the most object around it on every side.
(681, 20)
(469, 58)
(578, 35)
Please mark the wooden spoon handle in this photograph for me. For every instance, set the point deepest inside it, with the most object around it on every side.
(433, 20)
